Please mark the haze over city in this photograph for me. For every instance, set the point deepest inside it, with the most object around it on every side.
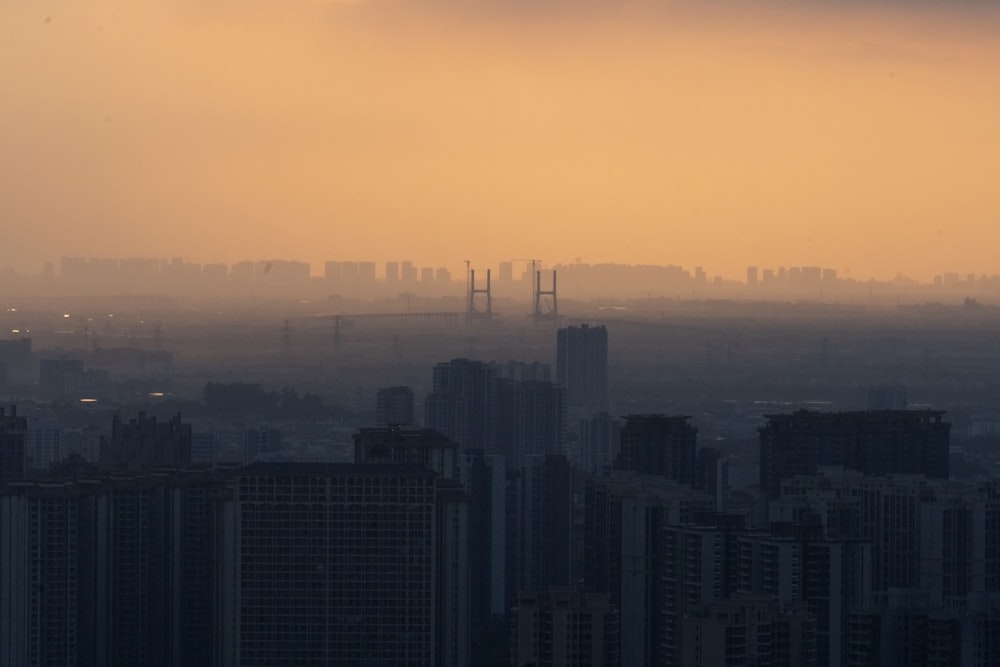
(499, 333)
(856, 135)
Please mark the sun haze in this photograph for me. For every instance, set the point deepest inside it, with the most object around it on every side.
(863, 138)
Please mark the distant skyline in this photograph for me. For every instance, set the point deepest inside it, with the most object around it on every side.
(862, 138)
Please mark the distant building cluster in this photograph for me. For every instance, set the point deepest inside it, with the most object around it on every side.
(261, 278)
(510, 279)
(795, 276)
(520, 522)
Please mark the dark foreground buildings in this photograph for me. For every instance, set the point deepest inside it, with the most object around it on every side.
(426, 551)
(273, 564)
(875, 442)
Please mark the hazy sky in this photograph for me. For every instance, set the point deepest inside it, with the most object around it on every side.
(863, 136)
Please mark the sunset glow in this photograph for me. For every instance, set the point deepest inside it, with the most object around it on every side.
(673, 133)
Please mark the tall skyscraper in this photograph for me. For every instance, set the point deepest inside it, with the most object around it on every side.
(582, 367)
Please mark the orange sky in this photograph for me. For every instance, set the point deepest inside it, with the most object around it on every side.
(436, 130)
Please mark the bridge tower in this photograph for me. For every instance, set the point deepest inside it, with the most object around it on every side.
(473, 310)
(546, 301)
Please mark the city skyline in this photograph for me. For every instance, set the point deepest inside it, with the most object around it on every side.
(861, 137)
(400, 271)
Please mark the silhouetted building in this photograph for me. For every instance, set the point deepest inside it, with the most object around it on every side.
(748, 631)
(659, 445)
(261, 443)
(531, 420)
(423, 447)
(931, 534)
(12, 432)
(795, 563)
(394, 405)
(600, 437)
(53, 375)
(874, 442)
(115, 571)
(903, 628)
(564, 627)
(16, 362)
(344, 564)
(42, 444)
(523, 371)
(712, 474)
(697, 567)
(582, 366)
(540, 525)
(463, 404)
(392, 274)
(625, 514)
(144, 443)
(887, 397)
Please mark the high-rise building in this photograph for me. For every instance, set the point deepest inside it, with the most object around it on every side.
(145, 442)
(600, 437)
(463, 404)
(904, 628)
(109, 571)
(392, 273)
(42, 444)
(887, 397)
(408, 274)
(564, 627)
(748, 631)
(625, 514)
(484, 484)
(344, 564)
(875, 442)
(659, 445)
(582, 366)
(394, 405)
(53, 376)
(797, 564)
(333, 272)
(18, 362)
(422, 447)
(696, 564)
(540, 525)
(12, 432)
(532, 420)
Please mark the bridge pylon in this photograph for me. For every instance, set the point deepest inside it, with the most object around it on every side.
(480, 302)
(546, 307)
